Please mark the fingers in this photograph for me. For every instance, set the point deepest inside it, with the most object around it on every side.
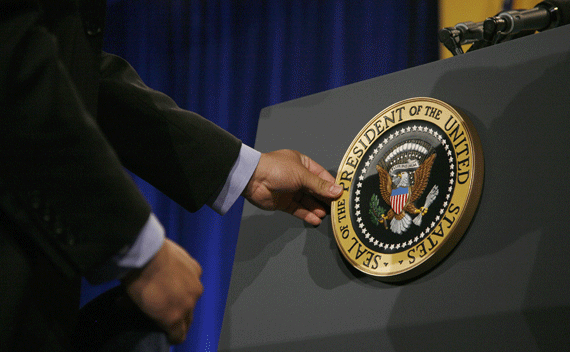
(318, 180)
(182, 307)
(177, 330)
(307, 209)
(167, 289)
(181, 313)
(297, 210)
(316, 168)
(284, 176)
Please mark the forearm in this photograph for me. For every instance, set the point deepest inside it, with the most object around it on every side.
(179, 152)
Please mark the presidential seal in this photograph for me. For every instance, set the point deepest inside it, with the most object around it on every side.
(412, 179)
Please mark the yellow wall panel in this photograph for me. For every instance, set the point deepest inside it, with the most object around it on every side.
(524, 4)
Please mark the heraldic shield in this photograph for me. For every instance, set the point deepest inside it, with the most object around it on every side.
(399, 198)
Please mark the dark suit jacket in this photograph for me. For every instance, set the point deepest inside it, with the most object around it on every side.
(70, 119)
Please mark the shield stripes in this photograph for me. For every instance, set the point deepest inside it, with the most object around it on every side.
(399, 198)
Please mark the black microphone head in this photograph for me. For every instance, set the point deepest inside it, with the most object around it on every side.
(563, 12)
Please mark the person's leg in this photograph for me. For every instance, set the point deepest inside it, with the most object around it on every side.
(113, 323)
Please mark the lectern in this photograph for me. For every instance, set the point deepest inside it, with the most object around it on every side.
(504, 287)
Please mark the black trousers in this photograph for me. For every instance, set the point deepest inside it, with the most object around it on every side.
(39, 309)
(112, 323)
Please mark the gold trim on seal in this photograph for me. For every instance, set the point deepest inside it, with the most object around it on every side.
(363, 246)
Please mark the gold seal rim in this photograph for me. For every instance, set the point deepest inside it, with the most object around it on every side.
(470, 196)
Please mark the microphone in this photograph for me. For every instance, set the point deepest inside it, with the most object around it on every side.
(505, 26)
(462, 33)
(547, 14)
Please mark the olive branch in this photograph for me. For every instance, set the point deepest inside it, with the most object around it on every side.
(376, 210)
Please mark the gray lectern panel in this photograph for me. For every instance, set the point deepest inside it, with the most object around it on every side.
(504, 287)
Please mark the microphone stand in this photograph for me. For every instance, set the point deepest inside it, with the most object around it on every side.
(500, 28)
(466, 33)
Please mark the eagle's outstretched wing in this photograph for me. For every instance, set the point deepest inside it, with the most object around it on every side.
(385, 184)
(421, 178)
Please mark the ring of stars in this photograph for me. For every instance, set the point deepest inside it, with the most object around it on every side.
(374, 241)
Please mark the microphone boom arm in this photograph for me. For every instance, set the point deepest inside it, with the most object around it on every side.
(504, 26)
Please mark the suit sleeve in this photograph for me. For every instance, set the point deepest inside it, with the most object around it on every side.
(54, 158)
(181, 153)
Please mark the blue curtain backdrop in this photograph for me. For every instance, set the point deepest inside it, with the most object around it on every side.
(227, 60)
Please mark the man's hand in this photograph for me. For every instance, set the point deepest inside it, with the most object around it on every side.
(290, 181)
(167, 289)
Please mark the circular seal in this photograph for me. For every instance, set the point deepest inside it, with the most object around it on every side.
(412, 181)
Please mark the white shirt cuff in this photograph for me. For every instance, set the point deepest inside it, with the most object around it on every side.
(238, 178)
(146, 245)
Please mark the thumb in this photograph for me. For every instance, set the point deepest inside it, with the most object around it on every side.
(318, 185)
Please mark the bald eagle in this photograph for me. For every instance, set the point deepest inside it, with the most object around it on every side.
(400, 193)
